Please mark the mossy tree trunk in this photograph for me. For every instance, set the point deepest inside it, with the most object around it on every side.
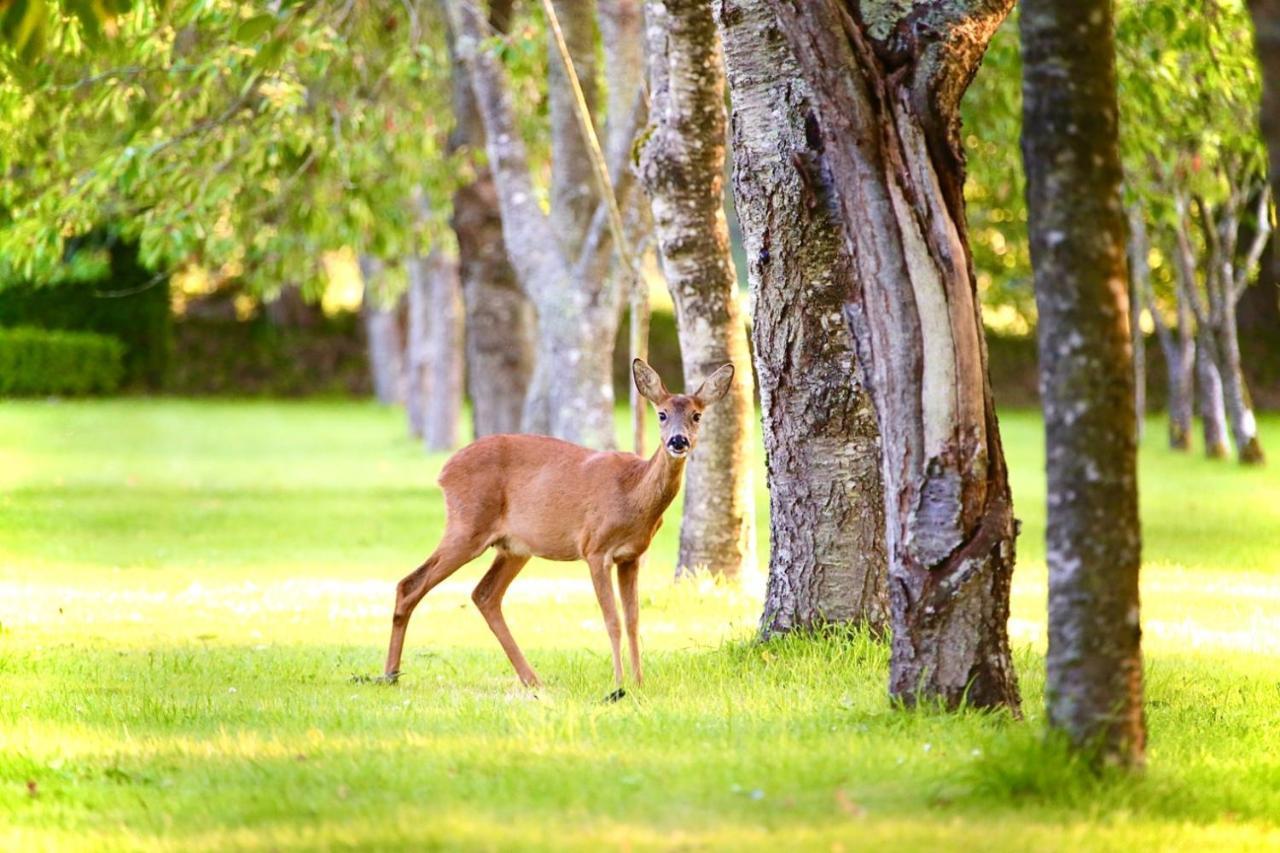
(827, 560)
(1077, 231)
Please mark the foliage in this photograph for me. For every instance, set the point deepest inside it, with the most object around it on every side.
(39, 362)
(110, 292)
(1189, 92)
(229, 135)
(183, 610)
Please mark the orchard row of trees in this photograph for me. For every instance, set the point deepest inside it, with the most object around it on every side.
(457, 149)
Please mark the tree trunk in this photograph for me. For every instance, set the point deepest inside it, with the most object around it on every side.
(827, 559)
(499, 318)
(1213, 413)
(434, 352)
(682, 166)
(1072, 160)
(1179, 360)
(571, 390)
(1139, 279)
(1235, 391)
(883, 145)
(383, 336)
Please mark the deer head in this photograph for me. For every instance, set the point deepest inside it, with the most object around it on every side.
(680, 415)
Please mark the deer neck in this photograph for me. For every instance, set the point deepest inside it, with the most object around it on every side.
(660, 481)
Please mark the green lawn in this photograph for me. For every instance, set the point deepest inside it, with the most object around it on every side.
(187, 589)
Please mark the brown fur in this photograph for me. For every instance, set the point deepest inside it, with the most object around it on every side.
(530, 495)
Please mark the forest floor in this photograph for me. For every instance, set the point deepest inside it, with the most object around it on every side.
(188, 588)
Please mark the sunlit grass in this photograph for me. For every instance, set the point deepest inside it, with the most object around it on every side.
(186, 590)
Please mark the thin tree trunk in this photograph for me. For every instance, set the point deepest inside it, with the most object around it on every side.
(827, 561)
(1235, 390)
(383, 336)
(1179, 361)
(1072, 160)
(682, 166)
(499, 318)
(883, 144)
(1139, 280)
(1213, 412)
(573, 191)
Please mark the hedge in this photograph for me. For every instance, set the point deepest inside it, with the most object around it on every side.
(37, 362)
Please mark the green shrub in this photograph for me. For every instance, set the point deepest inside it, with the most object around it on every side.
(41, 361)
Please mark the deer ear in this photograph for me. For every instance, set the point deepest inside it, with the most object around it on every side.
(715, 386)
(648, 382)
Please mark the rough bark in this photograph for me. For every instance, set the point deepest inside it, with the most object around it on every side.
(1266, 22)
(827, 561)
(1077, 234)
(571, 390)
(682, 167)
(383, 336)
(499, 318)
(884, 147)
(434, 352)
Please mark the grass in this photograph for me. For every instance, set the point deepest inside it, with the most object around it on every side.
(187, 588)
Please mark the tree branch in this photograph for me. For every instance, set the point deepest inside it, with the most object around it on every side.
(1261, 234)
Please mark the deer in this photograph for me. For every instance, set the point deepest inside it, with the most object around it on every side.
(534, 496)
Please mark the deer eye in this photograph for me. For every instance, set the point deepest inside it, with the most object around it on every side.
(697, 417)
(662, 416)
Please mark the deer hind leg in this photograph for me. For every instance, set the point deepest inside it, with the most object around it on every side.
(488, 598)
(452, 553)
(628, 577)
(602, 580)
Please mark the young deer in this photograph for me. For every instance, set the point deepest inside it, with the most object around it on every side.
(529, 495)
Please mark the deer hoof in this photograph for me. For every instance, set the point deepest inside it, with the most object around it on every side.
(388, 678)
(615, 696)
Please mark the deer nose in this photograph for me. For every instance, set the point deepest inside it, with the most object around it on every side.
(678, 442)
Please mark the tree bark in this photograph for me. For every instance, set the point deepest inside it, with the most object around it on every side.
(883, 144)
(383, 336)
(682, 167)
(573, 191)
(499, 318)
(434, 352)
(571, 390)
(827, 561)
(1072, 160)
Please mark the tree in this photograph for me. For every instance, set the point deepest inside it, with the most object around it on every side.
(383, 336)
(1072, 161)
(571, 391)
(499, 318)
(883, 147)
(1189, 99)
(827, 555)
(682, 167)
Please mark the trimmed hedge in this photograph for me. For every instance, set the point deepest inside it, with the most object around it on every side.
(36, 362)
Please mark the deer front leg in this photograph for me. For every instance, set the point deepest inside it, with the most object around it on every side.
(628, 579)
(601, 580)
